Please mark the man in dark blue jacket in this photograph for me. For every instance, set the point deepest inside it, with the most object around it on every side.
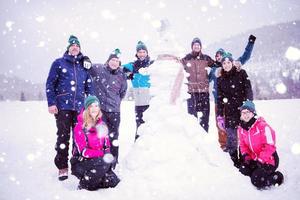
(110, 87)
(68, 84)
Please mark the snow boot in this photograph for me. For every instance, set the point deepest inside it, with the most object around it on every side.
(276, 178)
(63, 174)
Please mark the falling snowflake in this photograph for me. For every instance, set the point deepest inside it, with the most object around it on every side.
(281, 88)
(30, 157)
(296, 148)
(156, 24)
(72, 82)
(204, 9)
(62, 146)
(41, 44)
(108, 158)
(293, 54)
(94, 35)
(106, 14)
(115, 143)
(214, 3)
(40, 19)
(9, 25)
(64, 70)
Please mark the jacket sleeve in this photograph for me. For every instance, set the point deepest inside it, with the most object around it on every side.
(211, 62)
(82, 144)
(51, 83)
(269, 147)
(220, 97)
(247, 53)
(89, 86)
(128, 67)
(248, 87)
(123, 88)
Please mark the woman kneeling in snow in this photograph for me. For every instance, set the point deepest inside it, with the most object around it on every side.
(257, 145)
(91, 162)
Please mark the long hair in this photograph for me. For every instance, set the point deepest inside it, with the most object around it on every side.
(87, 118)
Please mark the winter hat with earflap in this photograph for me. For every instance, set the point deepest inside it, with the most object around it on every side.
(115, 54)
(141, 46)
(73, 40)
(249, 105)
(196, 40)
(220, 51)
(228, 56)
(89, 100)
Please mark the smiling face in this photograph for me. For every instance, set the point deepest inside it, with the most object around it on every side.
(218, 57)
(94, 110)
(246, 115)
(196, 47)
(74, 49)
(114, 63)
(227, 65)
(142, 54)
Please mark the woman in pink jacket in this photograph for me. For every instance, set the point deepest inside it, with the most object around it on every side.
(258, 149)
(91, 162)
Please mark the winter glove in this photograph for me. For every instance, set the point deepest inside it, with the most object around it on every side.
(221, 122)
(87, 62)
(252, 39)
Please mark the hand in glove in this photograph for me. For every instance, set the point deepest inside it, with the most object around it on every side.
(87, 62)
(252, 39)
(221, 122)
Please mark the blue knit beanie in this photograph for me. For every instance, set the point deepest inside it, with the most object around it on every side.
(227, 55)
(220, 51)
(141, 46)
(89, 100)
(196, 40)
(249, 105)
(73, 40)
(115, 54)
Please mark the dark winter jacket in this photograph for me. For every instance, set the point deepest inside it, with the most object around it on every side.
(195, 65)
(234, 87)
(110, 86)
(213, 75)
(68, 83)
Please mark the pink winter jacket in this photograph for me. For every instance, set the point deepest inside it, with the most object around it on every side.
(258, 142)
(91, 144)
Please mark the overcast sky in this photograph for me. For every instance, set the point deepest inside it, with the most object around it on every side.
(35, 32)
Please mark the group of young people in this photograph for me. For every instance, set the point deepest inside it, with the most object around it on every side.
(86, 98)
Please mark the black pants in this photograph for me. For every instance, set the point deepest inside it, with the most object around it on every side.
(65, 122)
(139, 110)
(92, 173)
(199, 102)
(262, 175)
(112, 119)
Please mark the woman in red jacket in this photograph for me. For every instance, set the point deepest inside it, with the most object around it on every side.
(258, 149)
(91, 162)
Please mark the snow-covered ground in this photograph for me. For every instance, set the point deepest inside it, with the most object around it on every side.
(173, 159)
